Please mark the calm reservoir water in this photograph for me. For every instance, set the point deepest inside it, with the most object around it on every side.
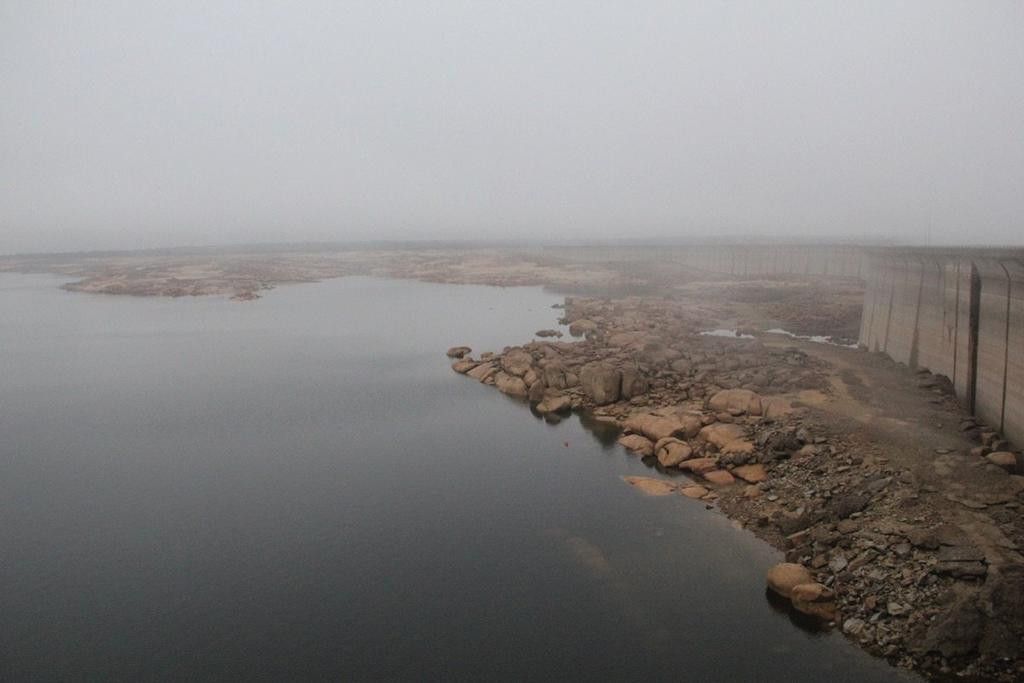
(300, 487)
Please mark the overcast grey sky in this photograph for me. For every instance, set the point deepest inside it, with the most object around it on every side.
(139, 124)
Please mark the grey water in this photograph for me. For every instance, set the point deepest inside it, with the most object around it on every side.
(300, 487)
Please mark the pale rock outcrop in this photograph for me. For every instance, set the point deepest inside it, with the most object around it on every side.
(671, 451)
(554, 402)
(601, 382)
(694, 491)
(516, 362)
(719, 477)
(737, 446)
(752, 474)
(634, 443)
(736, 401)
(656, 427)
(463, 366)
(814, 599)
(785, 576)
(1004, 459)
(651, 486)
(699, 465)
(578, 328)
(554, 376)
(511, 385)
(721, 433)
(633, 383)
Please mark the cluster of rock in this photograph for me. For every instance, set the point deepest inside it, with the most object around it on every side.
(865, 546)
(636, 353)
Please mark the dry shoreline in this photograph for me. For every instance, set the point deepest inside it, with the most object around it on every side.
(911, 531)
(866, 473)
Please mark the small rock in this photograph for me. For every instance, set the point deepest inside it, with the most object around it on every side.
(1003, 459)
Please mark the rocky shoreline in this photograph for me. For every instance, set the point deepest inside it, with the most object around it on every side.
(911, 565)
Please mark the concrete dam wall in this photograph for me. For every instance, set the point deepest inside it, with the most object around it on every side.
(743, 260)
(956, 313)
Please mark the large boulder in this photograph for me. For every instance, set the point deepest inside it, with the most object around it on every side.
(671, 451)
(633, 382)
(513, 386)
(719, 477)
(722, 433)
(751, 473)
(554, 402)
(578, 328)
(601, 382)
(634, 443)
(516, 362)
(656, 427)
(784, 577)
(699, 465)
(1004, 459)
(736, 400)
(814, 599)
(651, 486)
(554, 376)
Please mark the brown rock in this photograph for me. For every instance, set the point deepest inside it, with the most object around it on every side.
(751, 473)
(740, 400)
(784, 577)
(554, 376)
(483, 372)
(554, 402)
(1004, 459)
(655, 427)
(513, 386)
(634, 443)
(694, 491)
(601, 382)
(458, 351)
(578, 328)
(699, 465)
(671, 451)
(721, 434)
(651, 486)
(516, 362)
(738, 446)
(719, 477)
(633, 383)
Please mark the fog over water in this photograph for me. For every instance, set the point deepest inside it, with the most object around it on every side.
(141, 124)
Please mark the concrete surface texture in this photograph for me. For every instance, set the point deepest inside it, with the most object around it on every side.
(956, 313)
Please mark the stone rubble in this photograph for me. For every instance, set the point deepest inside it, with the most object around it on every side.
(866, 547)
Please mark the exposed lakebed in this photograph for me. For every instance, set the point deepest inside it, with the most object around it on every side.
(300, 487)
